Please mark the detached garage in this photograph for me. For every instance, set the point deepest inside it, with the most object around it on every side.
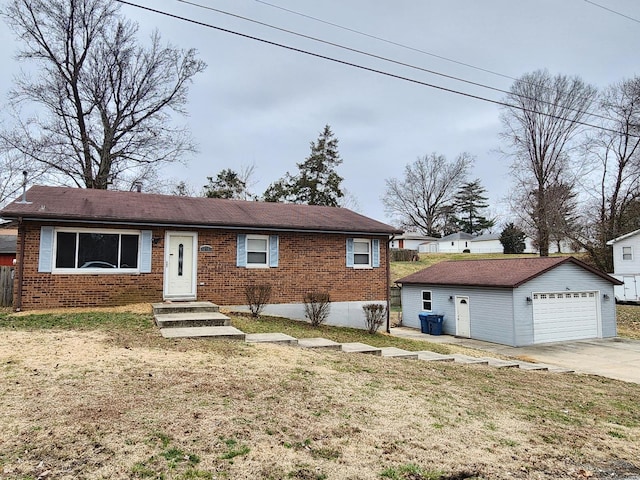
(517, 302)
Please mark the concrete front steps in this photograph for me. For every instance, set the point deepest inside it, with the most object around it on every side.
(194, 320)
(203, 319)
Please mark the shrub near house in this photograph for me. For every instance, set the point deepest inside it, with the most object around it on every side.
(96, 247)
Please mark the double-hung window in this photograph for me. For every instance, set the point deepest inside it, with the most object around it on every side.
(426, 301)
(363, 253)
(627, 253)
(257, 251)
(100, 251)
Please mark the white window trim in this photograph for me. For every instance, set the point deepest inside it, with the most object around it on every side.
(630, 253)
(422, 300)
(93, 271)
(246, 245)
(363, 266)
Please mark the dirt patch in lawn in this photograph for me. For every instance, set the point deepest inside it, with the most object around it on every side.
(78, 405)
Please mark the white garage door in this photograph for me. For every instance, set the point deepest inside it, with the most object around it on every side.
(564, 316)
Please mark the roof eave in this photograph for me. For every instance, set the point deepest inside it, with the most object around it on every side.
(145, 223)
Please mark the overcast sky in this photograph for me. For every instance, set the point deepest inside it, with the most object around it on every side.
(261, 104)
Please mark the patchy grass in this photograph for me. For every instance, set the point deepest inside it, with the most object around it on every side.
(629, 321)
(96, 399)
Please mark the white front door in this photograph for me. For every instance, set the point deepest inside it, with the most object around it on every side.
(463, 320)
(180, 265)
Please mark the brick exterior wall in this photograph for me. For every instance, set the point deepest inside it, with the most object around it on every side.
(307, 262)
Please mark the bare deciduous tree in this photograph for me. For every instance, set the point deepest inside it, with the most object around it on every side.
(613, 207)
(429, 185)
(106, 102)
(540, 125)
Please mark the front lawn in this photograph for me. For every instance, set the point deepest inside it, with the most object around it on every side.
(84, 395)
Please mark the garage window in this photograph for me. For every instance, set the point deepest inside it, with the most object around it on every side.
(426, 300)
(627, 253)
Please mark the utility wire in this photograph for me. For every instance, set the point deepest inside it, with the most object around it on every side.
(397, 44)
(607, 9)
(385, 40)
(362, 67)
(379, 57)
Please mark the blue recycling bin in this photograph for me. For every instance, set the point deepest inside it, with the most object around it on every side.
(425, 324)
(435, 324)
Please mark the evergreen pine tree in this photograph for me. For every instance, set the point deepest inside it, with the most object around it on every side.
(317, 182)
(469, 202)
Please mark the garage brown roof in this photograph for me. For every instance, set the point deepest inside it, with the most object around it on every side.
(501, 273)
(108, 206)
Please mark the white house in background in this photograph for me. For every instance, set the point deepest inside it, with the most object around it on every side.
(626, 266)
(487, 243)
(455, 243)
(415, 241)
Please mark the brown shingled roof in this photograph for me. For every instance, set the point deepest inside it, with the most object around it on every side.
(503, 273)
(77, 204)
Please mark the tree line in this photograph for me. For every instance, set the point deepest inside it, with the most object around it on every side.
(108, 103)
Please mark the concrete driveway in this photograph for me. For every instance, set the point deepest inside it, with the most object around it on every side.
(610, 357)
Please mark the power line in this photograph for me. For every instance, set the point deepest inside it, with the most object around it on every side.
(385, 40)
(379, 57)
(361, 67)
(408, 47)
(607, 9)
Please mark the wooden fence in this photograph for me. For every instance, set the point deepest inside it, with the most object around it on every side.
(6, 286)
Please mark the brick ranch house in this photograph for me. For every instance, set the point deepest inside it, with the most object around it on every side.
(79, 247)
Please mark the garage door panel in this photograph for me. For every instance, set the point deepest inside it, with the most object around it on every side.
(564, 316)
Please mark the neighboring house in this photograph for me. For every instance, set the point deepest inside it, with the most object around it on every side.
(626, 266)
(487, 243)
(517, 302)
(96, 247)
(8, 241)
(455, 243)
(415, 241)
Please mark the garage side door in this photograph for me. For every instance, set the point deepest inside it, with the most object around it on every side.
(564, 316)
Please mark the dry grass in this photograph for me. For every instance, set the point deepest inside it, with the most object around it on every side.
(124, 403)
(628, 321)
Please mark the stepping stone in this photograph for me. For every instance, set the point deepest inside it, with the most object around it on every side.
(469, 360)
(497, 363)
(318, 342)
(271, 338)
(357, 347)
(533, 366)
(556, 369)
(393, 352)
(225, 332)
(430, 356)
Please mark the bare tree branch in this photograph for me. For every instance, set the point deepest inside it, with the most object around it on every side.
(107, 101)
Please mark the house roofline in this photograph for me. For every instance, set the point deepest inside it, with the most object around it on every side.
(199, 226)
(622, 237)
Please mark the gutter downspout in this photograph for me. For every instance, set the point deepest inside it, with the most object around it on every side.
(20, 260)
(389, 283)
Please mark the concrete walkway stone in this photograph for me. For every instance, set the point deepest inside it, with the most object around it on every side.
(226, 332)
(318, 342)
(430, 356)
(271, 338)
(357, 347)
(393, 352)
